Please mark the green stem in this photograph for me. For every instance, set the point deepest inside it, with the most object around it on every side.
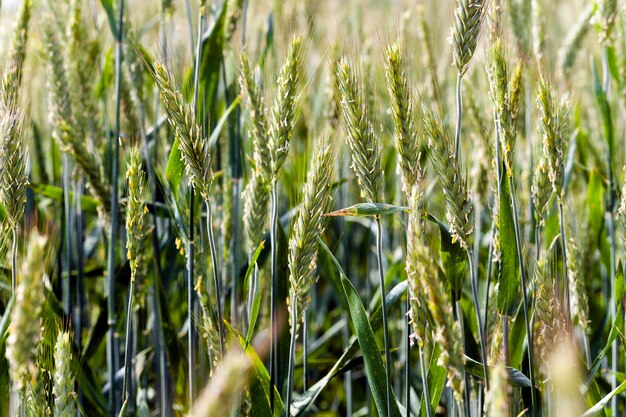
(466, 395)
(479, 317)
(292, 354)
(216, 274)
(381, 276)
(112, 249)
(425, 382)
(191, 362)
(14, 260)
(274, 293)
(459, 116)
(524, 297)
(565, 266)
(127, 348)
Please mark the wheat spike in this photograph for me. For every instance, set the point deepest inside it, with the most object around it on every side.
(309, 225)
(194, 148)
(283, 113)
(605, 18)
(519, 17)
(255, 207)
(63, 390)
(497, 397)
(468, 19)
(25, 329)
(554, 130)
(13, 156)
(505, 94)
(136, 227)
(365, 147)
(62, 119)
(257, 116)
(579, 305)
(458, 205)
(425, 283)
(402, 108)
(13, 78)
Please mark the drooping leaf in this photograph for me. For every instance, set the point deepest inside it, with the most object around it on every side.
(368, 210)
(509, 261)
(453, 258)
(515, 377)
(599, 406)
(256, 300)
(374, 368)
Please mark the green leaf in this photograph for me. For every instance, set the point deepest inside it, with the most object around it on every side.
(368, 209)
(605, 111)
(509, 261)
(374, 367)
(256, 301)
(110, 11)
(517, 334)
(453, 258)
(88, 203)
(436, 381)
(595, 203)
(515, 377)
(599, 406)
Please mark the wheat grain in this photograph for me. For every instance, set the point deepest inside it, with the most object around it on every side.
(63, 390)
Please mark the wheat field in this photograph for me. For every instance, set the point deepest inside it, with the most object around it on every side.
(312, 208)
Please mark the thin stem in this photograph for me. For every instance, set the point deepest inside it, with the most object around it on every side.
(216, 274)
(274, 294)
(466, 394)
(479, 318)
(191, 363)
(529, 334)
(459, 116)
(14, 259)
(565, 266)
(67, 226)
(424, 370)
(381, 276)
(407, 357)
(127, 348)
(112, 250)
(292, 354)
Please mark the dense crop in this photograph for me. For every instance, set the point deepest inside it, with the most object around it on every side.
(350, 208)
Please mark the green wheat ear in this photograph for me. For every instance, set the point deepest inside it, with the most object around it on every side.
(136, 227)
(459, 208)
(284, 111)
(309, 225)
(402, 109)
(468, 19)
(63, 389)
(365, 147)
(426, 286)
(25, 330)
(13, 157)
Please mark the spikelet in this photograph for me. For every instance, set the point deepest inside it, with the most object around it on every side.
(497, 397)
(13, 155)
(235, 10)
(37, 397)
(505, 94)
(63, 390)
(283, 113)
(135, 212)
(579, 305)
(255, 208)
(207, 327)
(402, 109)
(550, 323)
(541, 189)
(554, 130)
(309, 225)
(365, 147)
(25, 329)
(605, 18)
(565, 382)
(415, 267)
(458, 205)
(194, 148)
(225, 388)
(257, 119)
(574, 39)
(13, 78)
(425, 283)
(468, 19)
(63, 122)
(428, 55)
